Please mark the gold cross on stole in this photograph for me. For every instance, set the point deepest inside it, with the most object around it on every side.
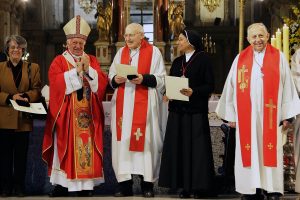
(270, 146)
(138, 134)
(271, 106)
(120, 122)
(247, 147)
(241, 78)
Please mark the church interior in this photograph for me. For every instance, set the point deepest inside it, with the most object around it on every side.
(222, 24)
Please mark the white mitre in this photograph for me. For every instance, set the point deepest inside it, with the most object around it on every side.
(77, 28)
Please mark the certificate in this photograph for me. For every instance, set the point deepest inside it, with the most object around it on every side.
(174, 85)
(124, 70)
(36, 108)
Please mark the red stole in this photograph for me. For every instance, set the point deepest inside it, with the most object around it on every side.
(139, 119)
(271, 77)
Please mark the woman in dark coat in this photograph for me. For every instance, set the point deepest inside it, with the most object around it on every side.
(187, 161)
(16, 84)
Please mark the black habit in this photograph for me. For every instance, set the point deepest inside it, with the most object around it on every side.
(187, 160)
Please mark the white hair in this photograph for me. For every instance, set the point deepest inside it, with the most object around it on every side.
(256, 25)
(134, 27)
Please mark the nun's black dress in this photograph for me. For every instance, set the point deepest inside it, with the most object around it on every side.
(187, 160)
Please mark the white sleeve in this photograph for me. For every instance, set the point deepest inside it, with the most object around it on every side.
(93, 83)
(226, 105)
(159, 69)
(295, 68)
(290, 99)
(72, 80)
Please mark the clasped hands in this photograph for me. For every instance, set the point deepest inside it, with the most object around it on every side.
(83, 65)
(121, 79)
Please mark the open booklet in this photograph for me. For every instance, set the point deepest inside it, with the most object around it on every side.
(174, 85)
(125, 70)
(36, 108)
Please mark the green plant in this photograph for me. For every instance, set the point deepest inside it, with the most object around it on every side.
(293, 21)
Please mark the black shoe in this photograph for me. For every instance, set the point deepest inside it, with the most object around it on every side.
(123, 191)
(6, 192)
(59, 191)
(123, 194)
(85, 193)
(248, 197)
(19, 192)
(203, 195)
(184, 195)
(273, 196)
(148, 193)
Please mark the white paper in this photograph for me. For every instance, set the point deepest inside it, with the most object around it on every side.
(124, 70)
(36, 108)
(174, 85)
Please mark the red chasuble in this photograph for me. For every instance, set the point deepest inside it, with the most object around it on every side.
(78, 124)
(139, 120)
(270, 70)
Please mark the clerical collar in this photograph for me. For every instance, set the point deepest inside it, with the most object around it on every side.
(189, 55)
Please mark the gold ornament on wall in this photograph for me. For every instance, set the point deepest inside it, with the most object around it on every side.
(175, 19)
(104, 20)
(87, 5)
(211, 5)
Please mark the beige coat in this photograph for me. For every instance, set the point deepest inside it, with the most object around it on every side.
(10, 118)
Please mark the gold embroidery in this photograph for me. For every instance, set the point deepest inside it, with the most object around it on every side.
(120, 122)
(271, 106)
(243, 82)
(138, 134)
(270, 146)
(247, 147)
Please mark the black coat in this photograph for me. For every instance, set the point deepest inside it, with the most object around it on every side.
(199, 71)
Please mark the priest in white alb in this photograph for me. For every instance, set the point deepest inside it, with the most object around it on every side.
(259, 95)
(137, 135)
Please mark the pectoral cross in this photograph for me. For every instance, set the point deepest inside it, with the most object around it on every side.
(270, 146)
(241, 78)
(247, 147)
(138, 134)
(271, 106)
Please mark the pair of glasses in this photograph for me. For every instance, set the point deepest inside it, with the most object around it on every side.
(15, 47)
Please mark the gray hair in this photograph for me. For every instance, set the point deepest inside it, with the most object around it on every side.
(255, 25)
(19, 40)
(135, 27)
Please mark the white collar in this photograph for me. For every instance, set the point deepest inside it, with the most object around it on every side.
(189, 55)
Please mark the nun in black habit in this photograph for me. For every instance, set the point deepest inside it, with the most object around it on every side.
(187, 160)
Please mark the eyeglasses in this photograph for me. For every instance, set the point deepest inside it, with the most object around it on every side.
(15, 47)
(130, 35)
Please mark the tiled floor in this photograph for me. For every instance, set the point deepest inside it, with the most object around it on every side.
(227, 197)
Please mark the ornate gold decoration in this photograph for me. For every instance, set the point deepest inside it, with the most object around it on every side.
(243, 82)
(209, 45)
(87, 5)
(104, 20)
(271, 106)
(138, 134)
(211, 5)
(175, 19)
